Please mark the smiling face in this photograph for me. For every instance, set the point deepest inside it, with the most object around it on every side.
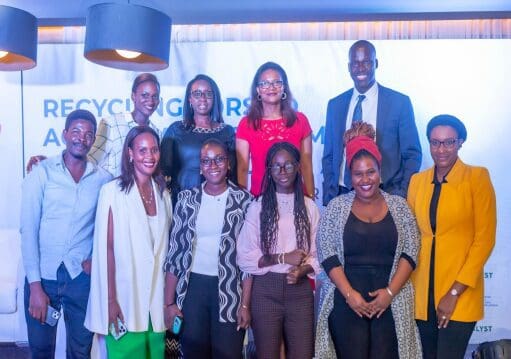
(362, 66)
(145, 153)
(214, 164)
(201, 97)
(446, 153)
(79, 138)
(270, 87)
(365, 177)
(284, 169)
(146, 99)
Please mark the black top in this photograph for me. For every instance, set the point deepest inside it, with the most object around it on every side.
(369, 244)
(433, 207)
(180, 154)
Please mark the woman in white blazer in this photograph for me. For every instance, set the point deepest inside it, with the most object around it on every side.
(130, 244)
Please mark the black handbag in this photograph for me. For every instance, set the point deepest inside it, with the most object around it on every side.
(498, 349)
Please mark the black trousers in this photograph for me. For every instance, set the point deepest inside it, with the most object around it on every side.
(444, 343)
(203, 335)
(363, 338)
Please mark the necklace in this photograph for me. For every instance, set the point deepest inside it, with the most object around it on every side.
(213, 194)
(148, 200)
(208, 130)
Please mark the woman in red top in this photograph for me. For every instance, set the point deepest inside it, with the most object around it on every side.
(272, 119)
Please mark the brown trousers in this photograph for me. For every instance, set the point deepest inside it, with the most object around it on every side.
(282, 311)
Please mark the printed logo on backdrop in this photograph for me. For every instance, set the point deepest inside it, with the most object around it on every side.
(234, 109)
(488, 303)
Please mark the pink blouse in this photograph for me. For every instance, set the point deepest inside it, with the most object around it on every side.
(260, 141)
(249, 246)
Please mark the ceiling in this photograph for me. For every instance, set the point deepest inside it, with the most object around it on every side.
(73, 12)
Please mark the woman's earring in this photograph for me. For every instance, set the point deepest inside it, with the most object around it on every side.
(258, 97)
(284, 95)
(131, 159)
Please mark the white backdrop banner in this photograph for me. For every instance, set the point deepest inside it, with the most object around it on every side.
(466, 78)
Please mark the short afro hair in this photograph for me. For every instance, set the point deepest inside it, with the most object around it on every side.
(81, 115)
(447, 120)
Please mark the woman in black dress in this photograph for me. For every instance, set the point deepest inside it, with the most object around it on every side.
(181, 143)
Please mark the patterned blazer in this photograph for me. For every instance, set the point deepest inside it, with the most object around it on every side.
(330, 234)
(183, 236)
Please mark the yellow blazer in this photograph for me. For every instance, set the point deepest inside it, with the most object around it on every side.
(465, 236)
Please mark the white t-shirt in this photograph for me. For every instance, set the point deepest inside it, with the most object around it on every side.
(210, 221)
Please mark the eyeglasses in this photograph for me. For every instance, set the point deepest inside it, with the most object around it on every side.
(199, 94)
(288, 167)
(219, 161)
(266, 84)
(449, 143)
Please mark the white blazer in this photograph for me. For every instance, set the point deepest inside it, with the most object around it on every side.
(139, 276)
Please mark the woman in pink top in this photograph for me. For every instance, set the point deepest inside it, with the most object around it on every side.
(277, 246)
(272, 119)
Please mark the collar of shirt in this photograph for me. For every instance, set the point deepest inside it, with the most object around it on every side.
(90, 167)
(435, 179)
(369, 106)
(371, 94)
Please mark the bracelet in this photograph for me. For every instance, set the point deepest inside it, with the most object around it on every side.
(279, 258)
(169, 305)
(244, 306)
(390, 292)
(347, 296)
(283, 258)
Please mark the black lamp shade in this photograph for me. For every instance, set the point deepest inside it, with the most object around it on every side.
(111, 27)
(18, 36)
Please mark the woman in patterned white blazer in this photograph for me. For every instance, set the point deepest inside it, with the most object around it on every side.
(208, 291)
(367, 244)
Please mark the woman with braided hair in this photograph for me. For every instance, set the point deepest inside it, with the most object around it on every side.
(277, 246)
(367, 244)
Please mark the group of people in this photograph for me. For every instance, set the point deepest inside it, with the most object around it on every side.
(126, 232)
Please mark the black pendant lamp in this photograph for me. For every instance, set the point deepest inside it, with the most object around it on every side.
(128, 37)
(18, 39)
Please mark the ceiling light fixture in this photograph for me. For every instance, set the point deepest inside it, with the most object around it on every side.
(128, 37)
(128, 54)
(18, 39)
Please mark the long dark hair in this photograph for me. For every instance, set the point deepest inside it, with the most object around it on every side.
(255, 111)
(216, 110)
(127, 176)
(269, 215)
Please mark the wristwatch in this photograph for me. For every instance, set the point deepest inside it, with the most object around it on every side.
(454, 292)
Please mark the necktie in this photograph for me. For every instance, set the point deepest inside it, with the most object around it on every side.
(357, 117)
(357, 112)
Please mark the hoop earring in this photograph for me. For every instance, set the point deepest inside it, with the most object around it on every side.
(284, 95)
(258, 97)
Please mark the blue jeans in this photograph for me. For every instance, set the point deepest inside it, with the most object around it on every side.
(71, 295)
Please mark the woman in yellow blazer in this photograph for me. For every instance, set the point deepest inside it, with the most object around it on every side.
(456, 212)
